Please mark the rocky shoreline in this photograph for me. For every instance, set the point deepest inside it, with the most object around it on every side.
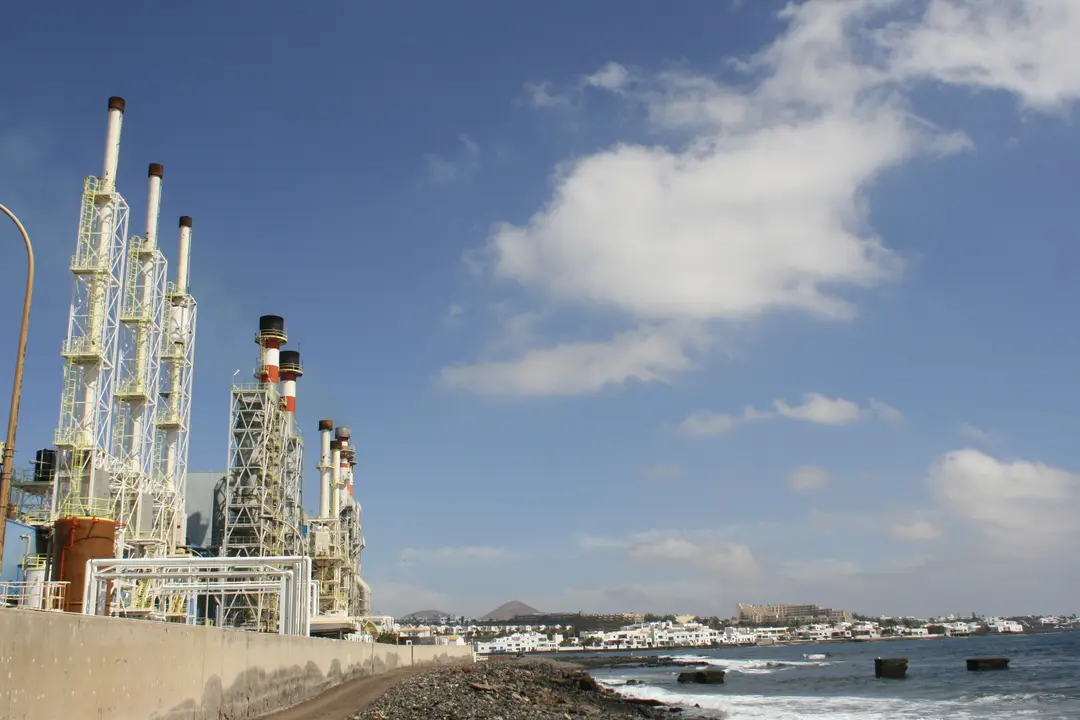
(505, 689)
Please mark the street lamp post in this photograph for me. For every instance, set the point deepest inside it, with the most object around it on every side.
(16, 391)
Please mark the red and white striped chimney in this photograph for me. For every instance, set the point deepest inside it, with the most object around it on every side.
(344, 435)
(270, 338)
(290, 371)
(352, 470)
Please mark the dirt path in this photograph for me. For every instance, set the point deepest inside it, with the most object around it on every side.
(338, 703)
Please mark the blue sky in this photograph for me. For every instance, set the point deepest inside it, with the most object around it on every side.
(629, 306)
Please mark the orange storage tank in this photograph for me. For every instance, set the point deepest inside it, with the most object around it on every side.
(76, 540)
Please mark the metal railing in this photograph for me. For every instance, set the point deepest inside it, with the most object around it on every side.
(34, 595)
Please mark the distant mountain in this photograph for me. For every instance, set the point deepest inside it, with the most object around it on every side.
(510, 610)
(424, 615)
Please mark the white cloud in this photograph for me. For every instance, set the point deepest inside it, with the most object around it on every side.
(915, 531)
(1022, 507)
(817, 408)
(807, 478)
(973, 433)
(835, 523)
(443, 171)
(706, 424)
(541, 95)
(462, 555)
(395, 598)
(662, 473)
(599, 542)
(610, 77)
(886, 413)
(720, 557)
(579, 368)
(1024, 47)
(819, 569)
(761, 205)
(705, 550)
(453, 316)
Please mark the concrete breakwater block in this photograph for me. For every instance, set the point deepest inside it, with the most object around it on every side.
(703, 677)
(892, 668)
(988, 664)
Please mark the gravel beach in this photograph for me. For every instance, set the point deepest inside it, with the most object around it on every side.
(507, 689)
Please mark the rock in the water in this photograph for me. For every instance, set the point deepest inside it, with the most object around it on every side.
(702, 677)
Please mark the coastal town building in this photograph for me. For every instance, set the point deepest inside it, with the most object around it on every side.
(580, 620)
(689, 632)
(790, 614)
(519, 643)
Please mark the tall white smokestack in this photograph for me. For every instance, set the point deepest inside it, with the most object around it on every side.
(112, 143)
(183, 259)
(335, 464)
(153, 206)
(326, 427)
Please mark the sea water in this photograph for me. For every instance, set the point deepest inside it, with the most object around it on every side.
(780, 683)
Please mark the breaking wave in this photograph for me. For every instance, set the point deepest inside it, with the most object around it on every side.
(747, 666)
(760, 707)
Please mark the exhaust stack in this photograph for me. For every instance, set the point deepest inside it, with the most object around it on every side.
(344, 435)
(183, 258)
(153, 206)
(112, 144)
(290, 371)
(335, 464)
(270, 338)
(326, 428)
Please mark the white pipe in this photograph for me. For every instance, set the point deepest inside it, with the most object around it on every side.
(335, 496)
(324, 471)
(112, 143)
(153, 206)
(184, 257)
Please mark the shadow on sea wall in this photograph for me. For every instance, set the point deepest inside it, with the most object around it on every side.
(77, 666)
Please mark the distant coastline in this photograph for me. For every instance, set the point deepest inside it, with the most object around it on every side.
(644, 653)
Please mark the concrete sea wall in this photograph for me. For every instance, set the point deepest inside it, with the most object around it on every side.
(59, 665)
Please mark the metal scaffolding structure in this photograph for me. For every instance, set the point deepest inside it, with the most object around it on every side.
(170, 453)
(86, 465)
(110, 499)
(138, 371)
(336, 537)
(261, 513)
(128, 363)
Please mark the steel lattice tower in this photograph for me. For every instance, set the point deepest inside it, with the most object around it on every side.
(85, 464)
(262, 493)
(173, 424)
(137, 384)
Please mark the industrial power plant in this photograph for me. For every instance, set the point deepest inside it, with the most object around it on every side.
(99, 525)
